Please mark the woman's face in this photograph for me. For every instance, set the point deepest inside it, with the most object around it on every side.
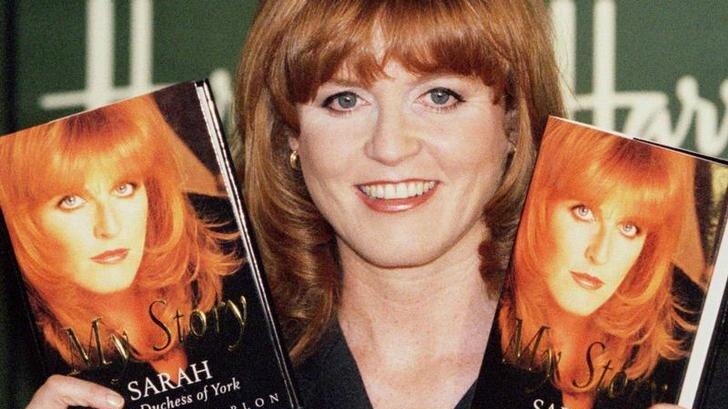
(402, 169)
(98, 233)
(594, 249)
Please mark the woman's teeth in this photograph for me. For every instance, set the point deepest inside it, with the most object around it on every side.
(402, 190)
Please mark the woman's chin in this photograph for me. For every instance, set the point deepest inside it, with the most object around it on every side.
(394, 256)
(578, 309)
(108, 285)
(411, 248)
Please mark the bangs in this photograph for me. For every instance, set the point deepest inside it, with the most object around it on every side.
(640, 178)
(642, 199)
(73, 148)
(360, 38)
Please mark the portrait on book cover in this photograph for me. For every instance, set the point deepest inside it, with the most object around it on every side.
(130, 254)
(608, 273)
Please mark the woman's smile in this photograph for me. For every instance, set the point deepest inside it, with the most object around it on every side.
(389, 197)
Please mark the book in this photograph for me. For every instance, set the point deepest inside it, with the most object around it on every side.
(615, 292)
(127, 234)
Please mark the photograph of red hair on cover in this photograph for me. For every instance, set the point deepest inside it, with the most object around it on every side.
(106, 235)
(608, 271)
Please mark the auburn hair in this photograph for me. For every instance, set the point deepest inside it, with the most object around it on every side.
(183, 261)
(640, 322)
(296, 46)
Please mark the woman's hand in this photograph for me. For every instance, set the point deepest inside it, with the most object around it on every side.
(59, 392)
(666, 406)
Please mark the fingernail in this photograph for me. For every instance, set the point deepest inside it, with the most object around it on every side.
(115, 400)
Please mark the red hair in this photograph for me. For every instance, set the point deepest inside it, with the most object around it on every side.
(640, 320)
(183, 261)
(295, 46)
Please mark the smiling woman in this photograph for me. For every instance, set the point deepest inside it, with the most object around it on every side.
(443, 134)
(412, 129)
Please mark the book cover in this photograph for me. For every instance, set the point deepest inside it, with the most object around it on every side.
(615, 292)
(130, 240)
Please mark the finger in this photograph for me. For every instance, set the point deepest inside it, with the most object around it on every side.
(665, 406)
(59, 392)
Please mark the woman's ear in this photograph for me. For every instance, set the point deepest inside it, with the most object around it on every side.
(293, 143)
(293, 160)
(511, 128)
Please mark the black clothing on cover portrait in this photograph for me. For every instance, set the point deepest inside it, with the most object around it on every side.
(527, 390)
(251, 364)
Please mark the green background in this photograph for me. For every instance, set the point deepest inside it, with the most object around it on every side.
(658, 45)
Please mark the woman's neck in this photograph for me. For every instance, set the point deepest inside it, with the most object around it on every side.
(567, 329)
(416, 330)
(122, 309)
(571, 336)
(128, 312)
(424, 309)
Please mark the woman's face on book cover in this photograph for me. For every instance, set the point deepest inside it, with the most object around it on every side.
(98, 232)
(594, 249)
(403, 167)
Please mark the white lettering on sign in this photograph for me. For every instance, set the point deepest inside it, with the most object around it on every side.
(99, 66)
(648, 112)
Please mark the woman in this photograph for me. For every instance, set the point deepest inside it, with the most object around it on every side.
(102, 232)
(593, 264)
(414, 138)
(387, 147)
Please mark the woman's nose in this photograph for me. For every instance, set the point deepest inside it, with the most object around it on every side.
(393, 139)
(598, 248)
(107, 223)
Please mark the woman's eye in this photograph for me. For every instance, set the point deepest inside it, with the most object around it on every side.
(441, 98)
(71, 202)
(582, 212)
(342, 102)
(629, 230)
(125, 190)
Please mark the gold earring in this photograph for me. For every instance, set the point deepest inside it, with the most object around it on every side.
(293, 160)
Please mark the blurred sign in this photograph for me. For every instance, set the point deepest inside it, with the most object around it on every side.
(656, 70)
(78, 55)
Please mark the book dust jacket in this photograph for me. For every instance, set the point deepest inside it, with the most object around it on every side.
(614, 295)
(131, 245)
